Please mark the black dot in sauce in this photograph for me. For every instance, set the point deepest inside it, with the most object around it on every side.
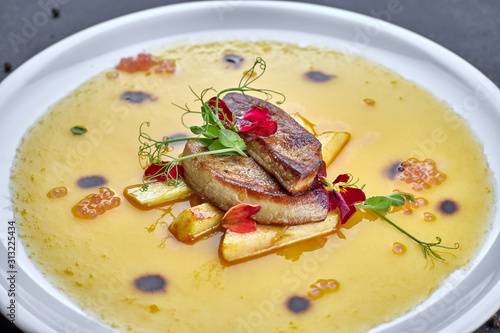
(317, 76)
(150, 283)
(7, 67)
(55, 13)
(233, 59)
(136, 97)
(392, 171)
(448, 207)
(91, 181)
(298, 304)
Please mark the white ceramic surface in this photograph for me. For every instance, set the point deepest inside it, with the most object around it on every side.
(466, 300)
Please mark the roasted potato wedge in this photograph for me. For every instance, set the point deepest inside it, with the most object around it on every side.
(267, 238)
(195, 222)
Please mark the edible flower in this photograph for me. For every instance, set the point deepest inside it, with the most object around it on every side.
(343, 194)
(220, 108)
(161, 172)
(237, 219)
(257, 121)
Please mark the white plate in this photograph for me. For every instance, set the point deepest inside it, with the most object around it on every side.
(466, 300)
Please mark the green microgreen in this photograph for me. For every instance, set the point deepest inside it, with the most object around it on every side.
(379, 204)
(218, 131)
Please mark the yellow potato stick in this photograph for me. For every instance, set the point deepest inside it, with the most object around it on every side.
(332, 144)
(157, 193)
(304, 123)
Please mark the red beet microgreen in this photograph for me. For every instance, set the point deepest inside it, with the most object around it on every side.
(237, 219)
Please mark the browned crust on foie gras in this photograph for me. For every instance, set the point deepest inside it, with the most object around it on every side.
(227, 181)
(292, 154)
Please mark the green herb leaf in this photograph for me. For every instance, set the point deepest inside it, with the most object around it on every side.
(78, 130)
(216, 145)
(212, 131)
(228, 138)
(209, 131)
(197, 130)
(398, 199)
(379, 202)
(206, 142)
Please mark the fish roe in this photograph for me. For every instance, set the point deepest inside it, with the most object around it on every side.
(369, 101)
(321, 287)
(165, 67)
(145, 62)
(409, 205)
(398, 248)
(429, 217)
(57, 192)
(112, 75)
(96, 204)
(250, 74)
(421, 174)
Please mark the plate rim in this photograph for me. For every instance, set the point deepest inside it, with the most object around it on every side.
(8, 84)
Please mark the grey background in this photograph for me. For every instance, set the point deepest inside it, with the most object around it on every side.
(469, 28)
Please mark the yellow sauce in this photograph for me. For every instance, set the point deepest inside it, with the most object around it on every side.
(95, 262)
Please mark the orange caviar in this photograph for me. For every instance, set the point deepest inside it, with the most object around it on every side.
(407, 207)
(112, 75)
(429, 217)
(369, 101)
(96, 204)
(421, 174)
(321, 287)
(165, 67)
(144, 62)
(57, 192)
(250, 74)
(398, 248)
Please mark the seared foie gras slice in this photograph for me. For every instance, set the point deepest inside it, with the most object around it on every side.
(230, 180)
(292, 154)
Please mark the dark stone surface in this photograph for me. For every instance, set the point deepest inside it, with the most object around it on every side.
(469, 28)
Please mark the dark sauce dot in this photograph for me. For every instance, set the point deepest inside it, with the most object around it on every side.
(177, 136)
(317, 76)
(233, 59)
(448, 207)
(91, 181)
(136, 97)
(298, 304)
(55, 13)
(392, 171)
(150, 283)
(7, 67)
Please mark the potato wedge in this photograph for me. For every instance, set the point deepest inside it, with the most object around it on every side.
(195, 222)
(267, 238)
(304, 123)
(332, 143)
(157, 193)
